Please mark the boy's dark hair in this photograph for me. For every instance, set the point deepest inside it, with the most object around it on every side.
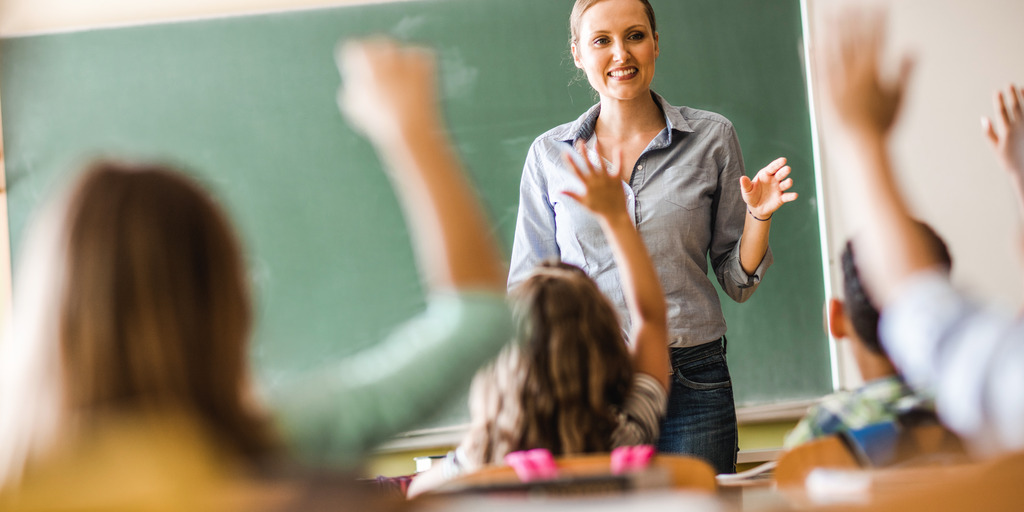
(860, 309)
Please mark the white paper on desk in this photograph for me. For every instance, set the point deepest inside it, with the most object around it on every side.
(828, 486)
(750, 474)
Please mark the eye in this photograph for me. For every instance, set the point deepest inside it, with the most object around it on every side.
(598, 41)
(637, 36)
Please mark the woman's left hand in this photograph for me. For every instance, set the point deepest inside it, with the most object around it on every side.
(767, 191)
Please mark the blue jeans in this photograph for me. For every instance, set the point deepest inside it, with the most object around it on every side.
(701, 418)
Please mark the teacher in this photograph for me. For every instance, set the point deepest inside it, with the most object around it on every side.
(689, 197)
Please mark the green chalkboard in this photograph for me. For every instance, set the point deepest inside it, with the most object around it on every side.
(247, 103)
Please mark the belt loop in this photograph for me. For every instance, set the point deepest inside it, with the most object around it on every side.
(725, 344)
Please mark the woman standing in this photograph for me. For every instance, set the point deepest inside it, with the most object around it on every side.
(688, 196)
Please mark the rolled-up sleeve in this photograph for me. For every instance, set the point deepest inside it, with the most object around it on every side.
(535, 223)
(727, 225)
(338, 412)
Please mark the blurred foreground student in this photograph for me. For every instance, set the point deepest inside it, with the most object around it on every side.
(884, 396)
(970, 356)
(569, 383)
(132, 311)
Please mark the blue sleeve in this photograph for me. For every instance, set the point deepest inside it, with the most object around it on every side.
(535, 223)
(337, 413)
(727, 222)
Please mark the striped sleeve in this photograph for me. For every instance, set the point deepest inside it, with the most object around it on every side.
(642, 413)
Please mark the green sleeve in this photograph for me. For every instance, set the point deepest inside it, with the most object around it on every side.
(336, 413)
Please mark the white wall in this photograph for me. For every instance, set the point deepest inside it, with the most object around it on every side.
(34, 16)
(963, 51)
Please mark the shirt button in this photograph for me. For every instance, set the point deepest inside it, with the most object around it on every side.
(640, 167)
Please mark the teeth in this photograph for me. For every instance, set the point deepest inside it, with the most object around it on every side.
(621, 73)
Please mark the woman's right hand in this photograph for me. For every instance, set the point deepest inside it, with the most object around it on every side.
(602, 192)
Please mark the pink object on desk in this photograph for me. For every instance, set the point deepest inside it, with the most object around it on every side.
(532, 465)
(631, 458)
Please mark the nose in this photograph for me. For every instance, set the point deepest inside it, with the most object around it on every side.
(619, 52)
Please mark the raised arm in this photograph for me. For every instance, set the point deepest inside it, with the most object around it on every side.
(1006, 135)
(337, 412)
(390, 95)
(865, 106)
(604, 196)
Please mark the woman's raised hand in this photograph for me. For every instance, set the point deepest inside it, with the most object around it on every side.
(602, 192)
(767, 191)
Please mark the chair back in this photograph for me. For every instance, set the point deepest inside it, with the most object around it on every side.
(682, 472)
(797, 463)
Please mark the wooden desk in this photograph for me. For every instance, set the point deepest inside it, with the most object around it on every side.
(990, 485)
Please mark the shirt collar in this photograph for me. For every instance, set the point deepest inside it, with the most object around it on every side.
(583, 127)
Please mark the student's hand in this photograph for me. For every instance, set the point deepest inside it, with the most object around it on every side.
(1007, 133)
(387, 89)
(602, 188)
(767, 191)
(865, 102)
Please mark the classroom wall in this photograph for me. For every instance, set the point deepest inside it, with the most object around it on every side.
(19, 17)
(963, 51)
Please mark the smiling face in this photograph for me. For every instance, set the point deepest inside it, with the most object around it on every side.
(617, 47)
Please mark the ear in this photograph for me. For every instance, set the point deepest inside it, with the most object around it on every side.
(837, 318)
(575, 55)
(657, 49)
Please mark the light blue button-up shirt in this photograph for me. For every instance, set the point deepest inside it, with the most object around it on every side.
(684, 198)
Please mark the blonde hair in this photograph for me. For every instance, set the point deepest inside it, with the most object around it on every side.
(581, 6)
(563, 382)
(133, 299)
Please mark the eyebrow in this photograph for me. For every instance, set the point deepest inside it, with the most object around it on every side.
(605, 31)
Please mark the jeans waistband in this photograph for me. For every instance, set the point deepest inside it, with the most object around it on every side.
(683, 355)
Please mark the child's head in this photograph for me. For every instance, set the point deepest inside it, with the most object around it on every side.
(859, 308)
(133, 298)
(566, 377)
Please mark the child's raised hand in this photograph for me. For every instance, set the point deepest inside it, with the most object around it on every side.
(387, 88)
(850, 62)
(602, 192)
(1007, 132)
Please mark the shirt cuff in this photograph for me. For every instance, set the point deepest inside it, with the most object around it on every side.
(734, 273)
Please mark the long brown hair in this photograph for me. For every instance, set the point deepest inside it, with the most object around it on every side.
(144, 280)
(562, 384)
